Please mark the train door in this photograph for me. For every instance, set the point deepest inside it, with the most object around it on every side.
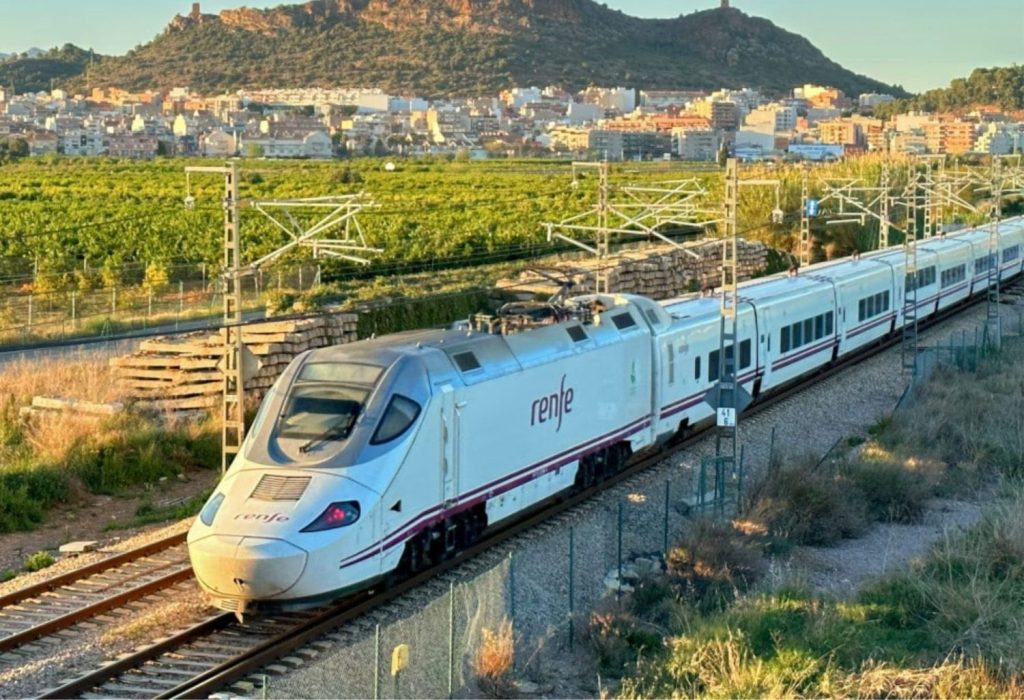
(450, 440)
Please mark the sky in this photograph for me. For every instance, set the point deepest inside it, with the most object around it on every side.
(919, 44)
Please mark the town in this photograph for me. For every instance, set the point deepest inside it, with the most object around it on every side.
(618, 123)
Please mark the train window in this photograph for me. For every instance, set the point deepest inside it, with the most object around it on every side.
(745, 354)
(1011, 253)
(671, 351)
(400, 414)
(862, 309)
(577, 333)
(784, 340)
(713, 367)
(829, 323)
(652, 316)
(321, 412)
(341, 373)
(819, 327)
(798, 337)
(696, 368)
(623, 321)
(466, 361)
(885, 297)
(809, 331)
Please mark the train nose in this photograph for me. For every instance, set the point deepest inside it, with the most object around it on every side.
(247, 567)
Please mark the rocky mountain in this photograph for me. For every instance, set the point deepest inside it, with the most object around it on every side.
(462, 47)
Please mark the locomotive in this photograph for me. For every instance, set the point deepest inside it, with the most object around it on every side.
(384, 456)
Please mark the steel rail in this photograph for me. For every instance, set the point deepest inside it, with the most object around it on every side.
(97, 608)
(35, 590)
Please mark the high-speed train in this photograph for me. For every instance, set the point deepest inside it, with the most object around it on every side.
(387, 455)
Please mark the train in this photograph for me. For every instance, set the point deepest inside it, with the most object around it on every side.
(380, 458)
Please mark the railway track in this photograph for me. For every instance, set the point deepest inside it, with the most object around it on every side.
(213, 654)
(35, 612)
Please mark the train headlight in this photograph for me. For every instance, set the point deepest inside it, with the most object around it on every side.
(337, 515)
(209, 511)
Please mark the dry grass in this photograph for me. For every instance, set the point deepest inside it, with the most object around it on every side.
(50, 437)
(86, 380)
(492, 664)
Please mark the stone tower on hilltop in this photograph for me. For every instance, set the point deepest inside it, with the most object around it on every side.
(725, 4)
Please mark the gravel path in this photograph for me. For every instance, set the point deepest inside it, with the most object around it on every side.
(844, 569)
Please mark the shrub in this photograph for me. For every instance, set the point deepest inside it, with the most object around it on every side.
(619, 638)
(26, 493)
(134, 451)
(39, 561)
(891, 492)
(805, 506)
(494, 660)
(712, 562)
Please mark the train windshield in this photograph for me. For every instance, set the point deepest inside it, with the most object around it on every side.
(325, 401)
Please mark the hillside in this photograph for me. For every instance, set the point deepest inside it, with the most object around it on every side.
(35, 70)
(464, 47)
(996, 87)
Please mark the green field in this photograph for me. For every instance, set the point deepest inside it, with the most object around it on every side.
(67, 214)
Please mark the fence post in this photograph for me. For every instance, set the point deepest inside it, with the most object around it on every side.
(618, 588)
(149, 305)
(113, 302)
(451, 638)
(572, 587)
(181, 303)
(30, 304)
(74, 310)
(376, 663)
(300, 278)
(668, 496)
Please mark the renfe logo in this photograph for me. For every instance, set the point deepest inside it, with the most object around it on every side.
(549, 408)
(264, 517)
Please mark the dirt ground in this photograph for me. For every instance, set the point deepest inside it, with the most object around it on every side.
(87, 515)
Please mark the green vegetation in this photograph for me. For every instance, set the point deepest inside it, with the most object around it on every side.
(948, 626)
(450, 48)
(39, 74)
(39, 561)
(44, 460)
(1000, 87)
(148, 514)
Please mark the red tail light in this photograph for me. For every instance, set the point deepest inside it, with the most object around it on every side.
(337, 515)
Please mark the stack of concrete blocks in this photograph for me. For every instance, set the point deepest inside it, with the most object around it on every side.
(658, 272)
(183, 374)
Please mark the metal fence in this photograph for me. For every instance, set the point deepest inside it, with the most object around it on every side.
(546, 590)
(189, 299)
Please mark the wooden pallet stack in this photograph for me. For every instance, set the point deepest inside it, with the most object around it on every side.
(183, 374)
(659, 272)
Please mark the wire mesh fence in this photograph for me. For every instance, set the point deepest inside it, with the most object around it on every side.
(181, 298)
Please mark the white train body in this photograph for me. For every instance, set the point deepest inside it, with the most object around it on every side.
(386, 454)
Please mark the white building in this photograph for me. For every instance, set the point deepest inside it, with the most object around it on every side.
(870, 100)
(999, 139)
(287, 144)
(696, 144)
(772, 117)
(581, 113)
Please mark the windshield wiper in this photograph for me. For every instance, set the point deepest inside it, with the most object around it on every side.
(340, 429)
